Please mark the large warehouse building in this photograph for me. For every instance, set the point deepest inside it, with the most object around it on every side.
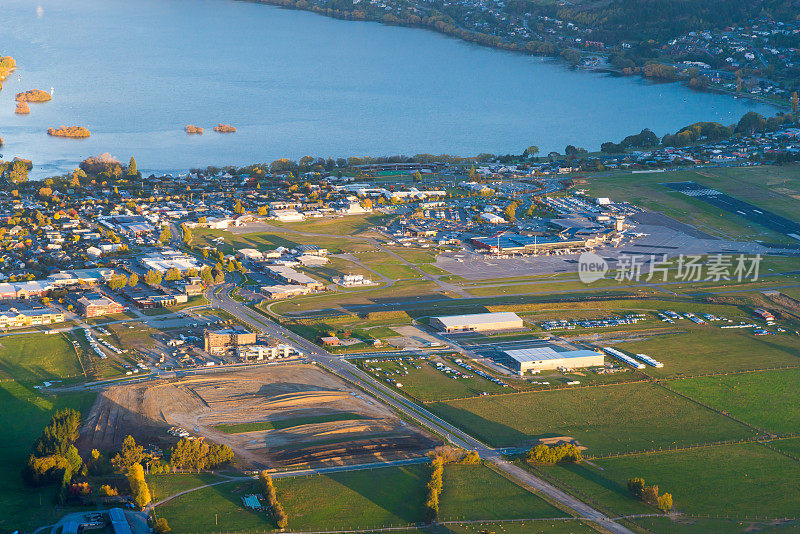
(478, 322)
(548, 358)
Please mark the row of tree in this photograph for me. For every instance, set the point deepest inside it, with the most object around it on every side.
(139, 489)
(649, 494)
(550, 455)
(197, 455)
(750, 123)
(434, 489)
(275, 507)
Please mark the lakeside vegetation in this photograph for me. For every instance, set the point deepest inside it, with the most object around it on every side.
(75, 132)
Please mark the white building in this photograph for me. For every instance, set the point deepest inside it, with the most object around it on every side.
(287, 215)
(478, 322)
(491, 218)
(548, 358)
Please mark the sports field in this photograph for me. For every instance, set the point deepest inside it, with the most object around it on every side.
(37, 357)
(606, 419)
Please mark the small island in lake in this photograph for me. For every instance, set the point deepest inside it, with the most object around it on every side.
(192, 129)
(74, 132)
(22, 108)
(7, 64)
(34, 95)
(224, 128)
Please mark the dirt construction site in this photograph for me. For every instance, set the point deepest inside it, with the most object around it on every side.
(271, 417)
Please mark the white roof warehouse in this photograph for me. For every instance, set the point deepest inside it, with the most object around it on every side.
(547, 358)
(478, 322)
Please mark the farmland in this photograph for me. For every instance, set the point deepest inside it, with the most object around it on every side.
(736, 480)
(694, 350)
(769, 400)
(606, 419)
(389, 496)
(467, 487)
(364, 499)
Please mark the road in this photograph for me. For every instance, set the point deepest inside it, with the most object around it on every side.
(220, 297)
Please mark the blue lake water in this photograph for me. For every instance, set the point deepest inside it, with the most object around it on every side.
(135, 72)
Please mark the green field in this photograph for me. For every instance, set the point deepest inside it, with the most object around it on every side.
(394, 270)
(769, 400)
(354, 499)
(430, 384)
(25, 412)
(162, 486)
(606, 419)
(38, 357)
(709, 349)
(591, 485)
(467, 487)
(790, 446)
(281, 424)
(736, 480)
(691, 525)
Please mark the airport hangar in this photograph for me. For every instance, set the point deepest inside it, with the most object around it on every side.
(547, 358)
(478, 322)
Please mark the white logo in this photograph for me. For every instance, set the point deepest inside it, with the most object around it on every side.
(591, 267)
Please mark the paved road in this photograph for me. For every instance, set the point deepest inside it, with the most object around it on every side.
(220, 297)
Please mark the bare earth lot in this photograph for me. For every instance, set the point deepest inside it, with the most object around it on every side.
(288, 394)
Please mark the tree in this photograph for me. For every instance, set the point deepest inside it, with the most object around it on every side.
(664, 502)
(472, 173)
(152, 278)
(133, 171)
(133, 280)
(139, 490)
(130, 454)
(434, 489)
(751, 122)
(636, 487)
(161, 526)
(206, 275)
(510, 213)
(795, 102)
(530, 152)
(238, 208)
(187, 234)
(118, 281)
(172, 275)
(166, 235)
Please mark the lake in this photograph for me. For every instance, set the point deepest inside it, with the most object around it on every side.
(135, 72)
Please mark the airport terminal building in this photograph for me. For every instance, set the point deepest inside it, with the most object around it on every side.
(478, 322)
(548, 358)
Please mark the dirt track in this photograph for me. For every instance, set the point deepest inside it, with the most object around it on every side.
(200, 403)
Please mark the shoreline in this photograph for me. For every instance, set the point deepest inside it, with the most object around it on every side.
(510, 47)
